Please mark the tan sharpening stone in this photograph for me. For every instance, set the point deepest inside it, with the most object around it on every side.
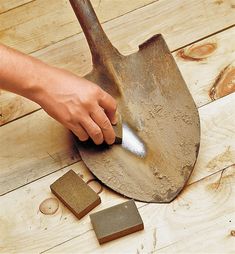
(74, 193)
(116, 221)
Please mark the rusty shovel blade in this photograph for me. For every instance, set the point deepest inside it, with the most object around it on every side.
(161, 128)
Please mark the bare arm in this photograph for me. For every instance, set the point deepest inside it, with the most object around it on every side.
(77, 103)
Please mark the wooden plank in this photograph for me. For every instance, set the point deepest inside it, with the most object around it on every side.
(31, 231)
(203, 62)
(73, 53)
(211, 57)
(221, 156)
(199, 221)
(13, 106)
(217, 147)
(36, 25)
(44, 231)
(41, 23)
(24, 122)
(33, 147)
(11, 4)
(202, 205)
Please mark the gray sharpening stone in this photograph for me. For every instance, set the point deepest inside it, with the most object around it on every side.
(116, 221)
(74, 193)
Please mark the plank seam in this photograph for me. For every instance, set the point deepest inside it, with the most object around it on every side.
(183, 46)
(221, 170)
(17, 7)
(70, 164)
(19, 117)
(75, 236)
(205, 37)
(220, 98)
(70, 36)
(29, 113)
(186, 45)
(81, 159)
(66, 241)
(180, 240)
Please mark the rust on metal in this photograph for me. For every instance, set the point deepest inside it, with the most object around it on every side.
(160, 122)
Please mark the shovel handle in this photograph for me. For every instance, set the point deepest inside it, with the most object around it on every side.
(100, 46)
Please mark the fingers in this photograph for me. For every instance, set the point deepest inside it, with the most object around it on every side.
(101, 119)
(93, 130)
(108, 103)
(80, 133)
(97, 126)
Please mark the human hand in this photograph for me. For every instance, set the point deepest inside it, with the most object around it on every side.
(80, 105)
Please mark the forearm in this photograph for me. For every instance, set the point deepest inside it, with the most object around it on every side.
(78, 104)
(22, 74)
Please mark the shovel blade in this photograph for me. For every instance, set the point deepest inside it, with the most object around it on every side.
(161, 128)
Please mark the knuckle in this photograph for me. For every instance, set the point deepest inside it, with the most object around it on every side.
(114, 104)
(106, 124)
(97, 137)
(103, 96)
(82, 135)
(68, 118)
(97, 91)
(83, 118)
(95, 94)
(88, 103)
(71, 116)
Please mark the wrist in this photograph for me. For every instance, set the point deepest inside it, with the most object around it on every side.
(39, 82)
(24, 75)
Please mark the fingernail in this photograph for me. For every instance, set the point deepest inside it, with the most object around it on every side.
(110, 142)
(98, 142)
(114, 121)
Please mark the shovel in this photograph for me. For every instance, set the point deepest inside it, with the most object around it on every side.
(161, 128)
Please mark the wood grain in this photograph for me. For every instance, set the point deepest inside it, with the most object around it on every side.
(13, 106)
(41, 23)
(11, 4)
(201, 63)
(223, 52)
(127, 32)
(31, 148)
(36, 232)
(217, 118)
(199, 221)
(217, 136)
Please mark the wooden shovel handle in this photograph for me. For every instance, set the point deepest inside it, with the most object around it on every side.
(100, 46)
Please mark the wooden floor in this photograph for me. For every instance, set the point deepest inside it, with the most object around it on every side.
(35, 150)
